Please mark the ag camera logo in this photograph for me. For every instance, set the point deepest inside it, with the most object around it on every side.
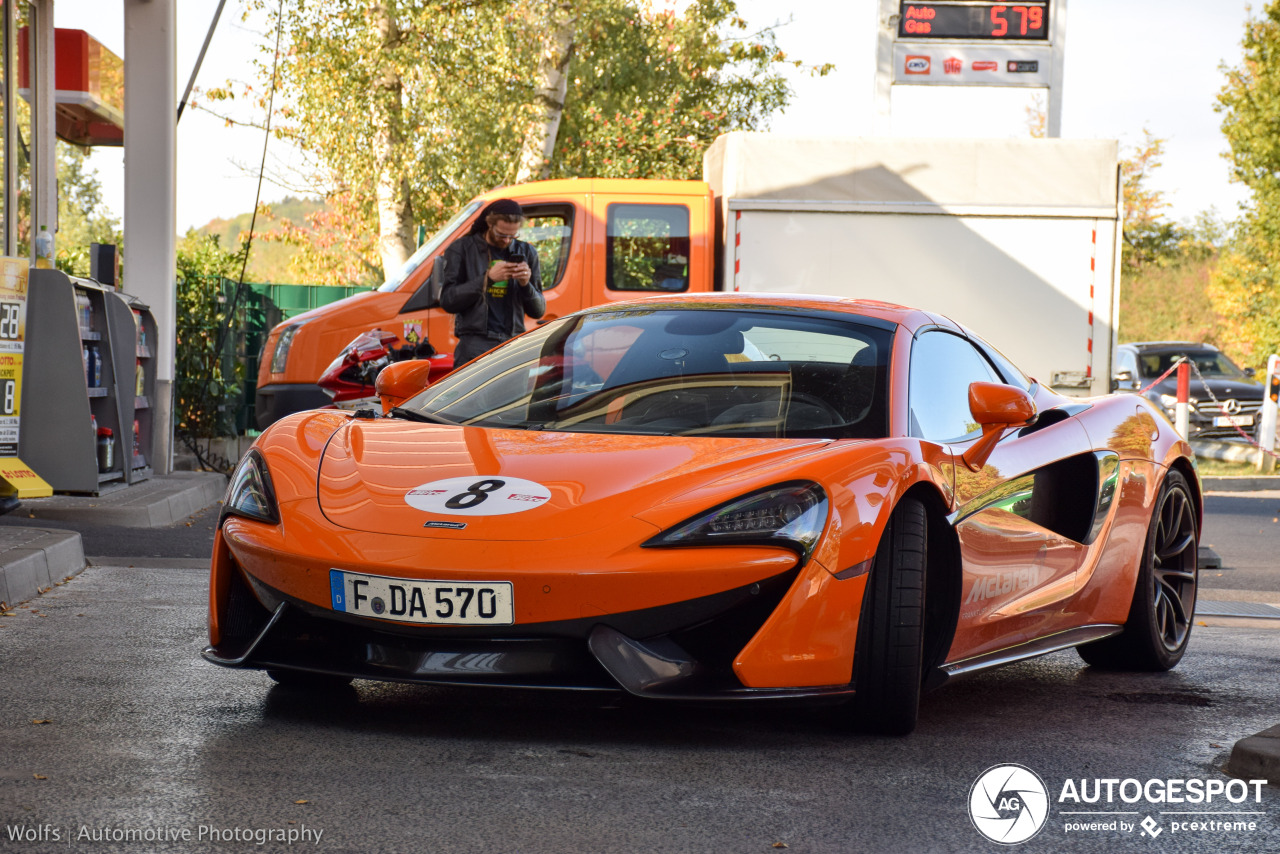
(1008, 804)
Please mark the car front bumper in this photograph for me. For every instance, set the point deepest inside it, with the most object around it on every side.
(772, 630)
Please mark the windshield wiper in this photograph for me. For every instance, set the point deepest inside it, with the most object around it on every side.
(415, 415)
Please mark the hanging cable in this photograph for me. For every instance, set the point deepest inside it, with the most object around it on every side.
(200, 59)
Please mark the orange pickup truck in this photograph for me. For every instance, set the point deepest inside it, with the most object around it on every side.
(1018, 236)
(598, 240)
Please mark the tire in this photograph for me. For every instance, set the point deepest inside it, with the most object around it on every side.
(303, 680)
(888, 658)
(1164, 600)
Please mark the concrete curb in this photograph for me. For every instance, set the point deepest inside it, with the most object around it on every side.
(32, 560)
(1245, 483)
(1257, 757)
(153, 503)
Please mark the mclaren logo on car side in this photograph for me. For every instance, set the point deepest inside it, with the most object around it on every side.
(1002, 583)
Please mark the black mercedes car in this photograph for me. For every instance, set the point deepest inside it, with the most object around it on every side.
(1222, 395)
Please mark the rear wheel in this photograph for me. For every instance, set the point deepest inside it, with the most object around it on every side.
(888, 658)
(1164, 601)
(303, 680)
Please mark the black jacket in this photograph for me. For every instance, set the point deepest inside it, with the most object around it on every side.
(462, 291)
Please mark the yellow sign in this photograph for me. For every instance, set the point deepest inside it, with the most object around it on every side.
(20, 477)
(13, 321)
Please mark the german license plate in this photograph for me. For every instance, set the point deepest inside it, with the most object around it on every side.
(1233, 421)
(447, 603)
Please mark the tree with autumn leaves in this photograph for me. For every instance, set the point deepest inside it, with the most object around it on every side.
(411, 107)
(1246, 287)
(1165, 265)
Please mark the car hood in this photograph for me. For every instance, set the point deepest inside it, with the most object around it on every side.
(387, 476)
(1223, 389)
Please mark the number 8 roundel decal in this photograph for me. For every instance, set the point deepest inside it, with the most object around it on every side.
(478, 495)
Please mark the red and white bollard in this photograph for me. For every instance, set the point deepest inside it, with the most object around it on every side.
(1267, 425)
(1181, 411)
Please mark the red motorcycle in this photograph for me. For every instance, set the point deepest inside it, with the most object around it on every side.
(349, 378)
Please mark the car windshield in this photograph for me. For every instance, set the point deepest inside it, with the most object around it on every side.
(1210, 363)
(686, 371)
(416, 259)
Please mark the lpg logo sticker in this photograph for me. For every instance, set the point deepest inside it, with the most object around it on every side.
(1008, 804)
(478, 496)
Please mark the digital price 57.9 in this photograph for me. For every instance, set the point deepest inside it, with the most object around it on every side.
(974, 21)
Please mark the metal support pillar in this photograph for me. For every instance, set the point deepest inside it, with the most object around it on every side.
(44, 141)
(150, 178)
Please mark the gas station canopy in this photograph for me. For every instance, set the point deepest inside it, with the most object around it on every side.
(89, 88)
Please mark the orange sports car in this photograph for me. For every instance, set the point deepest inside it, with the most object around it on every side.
(713, 497)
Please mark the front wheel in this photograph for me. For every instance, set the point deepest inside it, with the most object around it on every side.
(1164, 602)
(888, 659)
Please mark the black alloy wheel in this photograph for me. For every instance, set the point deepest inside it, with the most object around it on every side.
(1164, 601)
(1175, 560)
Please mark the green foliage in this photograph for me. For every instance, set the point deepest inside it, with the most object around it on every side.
(274, 248)
(207, 383)
(1169, 302)
(451, 83)
(82, 218)
(1245, 287)
(648, 93)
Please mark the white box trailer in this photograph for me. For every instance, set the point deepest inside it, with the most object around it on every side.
(1017, 239)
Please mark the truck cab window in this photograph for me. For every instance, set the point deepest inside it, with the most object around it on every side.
(647, 248)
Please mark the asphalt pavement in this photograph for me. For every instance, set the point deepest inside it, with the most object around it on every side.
(170, 519)
(46, 540)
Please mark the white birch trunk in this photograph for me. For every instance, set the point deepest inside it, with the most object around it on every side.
(395, 209)
(553, 84)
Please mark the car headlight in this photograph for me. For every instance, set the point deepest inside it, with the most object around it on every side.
(280, 357)
(789, 514)
(250, 493)
(1168, 401)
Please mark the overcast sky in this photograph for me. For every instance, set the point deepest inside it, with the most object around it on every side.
(1129, 65)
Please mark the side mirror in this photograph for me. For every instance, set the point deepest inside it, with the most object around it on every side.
(436, 281)
(996, 408)
(1121, 379)
(399, 381)
(1250, 372)
(428, 293)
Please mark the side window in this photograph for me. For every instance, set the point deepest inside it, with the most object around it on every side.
(942, 367)
(647, 248)
(549, 230)
(1012, 374)
(1126, 361)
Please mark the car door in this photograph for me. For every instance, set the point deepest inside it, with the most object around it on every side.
(557, 232)
(1018, 524)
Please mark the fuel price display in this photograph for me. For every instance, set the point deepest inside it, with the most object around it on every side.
(974, 20)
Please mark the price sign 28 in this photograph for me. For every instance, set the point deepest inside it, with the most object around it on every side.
(10, 328)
